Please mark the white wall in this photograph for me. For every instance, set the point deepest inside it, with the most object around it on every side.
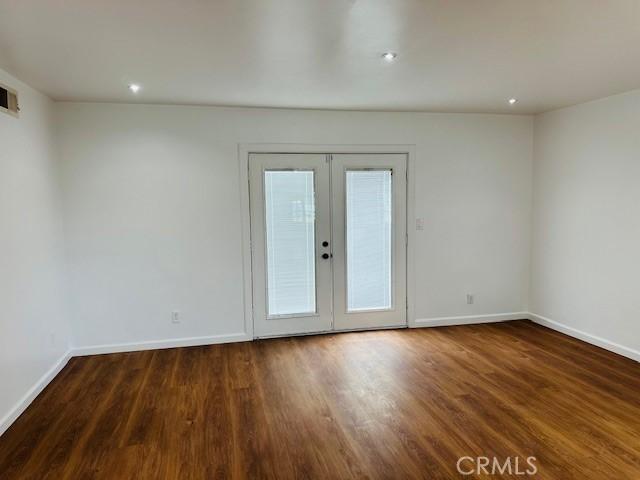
(34, 330)
(153, 219)
(586, 223)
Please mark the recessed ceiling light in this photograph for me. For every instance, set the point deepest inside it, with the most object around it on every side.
(389, 56)
(134, 87)
(512, 101)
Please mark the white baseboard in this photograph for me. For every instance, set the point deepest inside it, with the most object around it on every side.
(33, 392)
(586, 337)
(469, 319)
(158, 344)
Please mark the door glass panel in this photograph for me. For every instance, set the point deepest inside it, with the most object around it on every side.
(290, 232)
(369, 222)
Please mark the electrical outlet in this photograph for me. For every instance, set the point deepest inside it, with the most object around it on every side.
(419, 223)
(175, 317)
(470, 299)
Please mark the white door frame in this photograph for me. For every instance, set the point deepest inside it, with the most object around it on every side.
(244, 149)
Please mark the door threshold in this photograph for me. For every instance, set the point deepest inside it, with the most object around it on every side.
(366, 329)
(326, 332)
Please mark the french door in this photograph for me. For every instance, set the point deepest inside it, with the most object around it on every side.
(328, 242)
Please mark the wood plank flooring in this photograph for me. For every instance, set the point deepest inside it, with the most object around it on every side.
(387, 404)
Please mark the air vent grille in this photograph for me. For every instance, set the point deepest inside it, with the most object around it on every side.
(9, 101)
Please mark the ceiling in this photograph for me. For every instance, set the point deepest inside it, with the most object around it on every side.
(453, 55)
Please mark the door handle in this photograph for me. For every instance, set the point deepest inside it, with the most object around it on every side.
(326, 255)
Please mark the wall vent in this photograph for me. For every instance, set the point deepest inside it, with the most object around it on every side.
(9, 101)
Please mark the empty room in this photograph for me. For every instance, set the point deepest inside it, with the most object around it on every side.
(319, 239)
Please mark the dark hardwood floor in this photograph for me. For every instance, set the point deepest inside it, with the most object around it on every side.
(386, 404)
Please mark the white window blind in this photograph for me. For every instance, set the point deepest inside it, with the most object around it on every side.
(369, 223)
(290, 229)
